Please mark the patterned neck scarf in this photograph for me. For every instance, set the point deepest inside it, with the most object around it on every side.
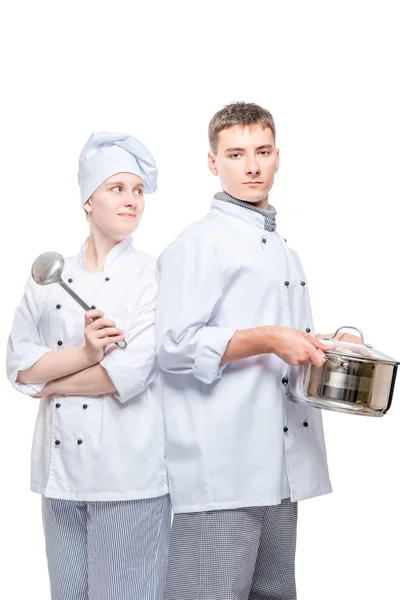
(269, 214)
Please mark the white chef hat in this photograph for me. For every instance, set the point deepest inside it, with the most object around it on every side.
(106, 154)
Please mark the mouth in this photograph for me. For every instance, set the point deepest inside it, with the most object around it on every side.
(127, 215)
(253, 183)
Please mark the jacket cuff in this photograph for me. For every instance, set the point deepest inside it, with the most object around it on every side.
(34, 354)
(127, 385)
(210, 350)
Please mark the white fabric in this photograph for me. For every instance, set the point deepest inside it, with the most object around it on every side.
(106, 154)
(121, 456)
(226, 444)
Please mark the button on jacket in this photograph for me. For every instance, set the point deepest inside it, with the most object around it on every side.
(107, 447)
(231, 430)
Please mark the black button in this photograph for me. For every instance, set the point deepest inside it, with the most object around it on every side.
(302, 283)
(285, 239)
(285, 429)
(59, 342)
(58, 405)
(93, 307)
(57, 442)
(305, 424)
(285, 381)
(70, 280)
(79, 442)
(308, 330)
(107, 279)
(286, 283)
(58, 306)
(264, 241)
(84, 406)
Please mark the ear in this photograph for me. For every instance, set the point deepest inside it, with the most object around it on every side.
(212, 165)
(87, 207)
(277, 160)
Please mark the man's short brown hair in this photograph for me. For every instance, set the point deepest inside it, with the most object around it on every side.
(238, 113)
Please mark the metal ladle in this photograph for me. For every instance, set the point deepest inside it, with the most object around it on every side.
(48, 268)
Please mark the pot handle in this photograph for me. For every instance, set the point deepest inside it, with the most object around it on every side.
(337, 361)
(349, 327)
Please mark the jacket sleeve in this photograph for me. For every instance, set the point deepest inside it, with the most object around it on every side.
(191, 288)
(134, 368)
(24, 346)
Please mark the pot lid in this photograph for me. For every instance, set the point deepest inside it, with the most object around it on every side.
(352, 350)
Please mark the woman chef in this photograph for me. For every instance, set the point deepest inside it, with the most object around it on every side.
(98, 448)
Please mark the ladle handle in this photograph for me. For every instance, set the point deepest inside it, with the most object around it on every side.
(122, 345)
(74, 296)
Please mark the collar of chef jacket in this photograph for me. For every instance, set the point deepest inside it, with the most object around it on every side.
(112, 256)
(268, 213)
(241, 212)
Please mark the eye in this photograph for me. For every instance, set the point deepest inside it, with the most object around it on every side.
(235, 155)
(116, 187)
(138, 192)
(265, 152)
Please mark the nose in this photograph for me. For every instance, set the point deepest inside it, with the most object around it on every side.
(252, 166)
(129, 200)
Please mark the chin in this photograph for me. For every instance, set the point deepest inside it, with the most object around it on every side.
(127, 231)
(120, 236)
(253, 196)
(128, 227)
(119, 233)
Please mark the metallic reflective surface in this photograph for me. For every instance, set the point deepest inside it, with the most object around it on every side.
(48, 268)
(357, 387)
(355, 379)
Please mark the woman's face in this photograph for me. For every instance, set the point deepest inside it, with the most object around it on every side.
(117, 205)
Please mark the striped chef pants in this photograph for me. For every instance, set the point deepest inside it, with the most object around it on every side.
(107, 550)
(237, 554)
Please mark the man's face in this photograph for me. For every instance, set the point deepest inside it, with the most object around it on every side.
(246, 161)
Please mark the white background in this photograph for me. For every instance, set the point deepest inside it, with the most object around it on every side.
(328, 72)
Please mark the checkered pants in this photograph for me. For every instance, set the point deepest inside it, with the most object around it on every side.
(238, 554)
(107, 550)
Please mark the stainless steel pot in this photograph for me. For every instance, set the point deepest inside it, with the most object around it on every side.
(355, 379)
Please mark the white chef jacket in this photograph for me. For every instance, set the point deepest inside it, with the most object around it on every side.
(111, 446)
(231, 430)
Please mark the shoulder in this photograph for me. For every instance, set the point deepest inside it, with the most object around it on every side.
(202, 237)
(142, 257)
(142, 262)
(138, 270)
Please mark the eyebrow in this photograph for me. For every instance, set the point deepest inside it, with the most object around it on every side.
(263, 147)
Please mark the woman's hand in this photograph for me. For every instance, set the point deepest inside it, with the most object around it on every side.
(99, 332)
